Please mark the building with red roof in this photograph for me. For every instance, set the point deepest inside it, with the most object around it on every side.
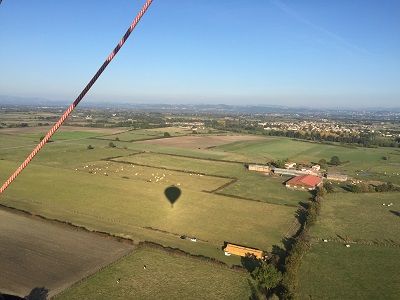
(304, 182)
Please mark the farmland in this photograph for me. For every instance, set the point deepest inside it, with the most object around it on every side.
(35, 253)
(371, 229)
(167, 276)
(332, 271)
(362, 163)
(117, 186)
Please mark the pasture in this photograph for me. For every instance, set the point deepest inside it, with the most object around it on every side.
(146, 134)
(120, 190)
(332, 271)
(362, 163)
(136, 208)
(36, 253)
(360, 217)
(369, 268)
(202, 142)
(249, 184)
(167, 276)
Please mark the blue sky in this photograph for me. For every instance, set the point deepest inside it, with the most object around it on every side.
(300, 53)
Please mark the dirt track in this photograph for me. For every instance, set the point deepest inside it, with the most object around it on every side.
(201, 142)
(36, 253)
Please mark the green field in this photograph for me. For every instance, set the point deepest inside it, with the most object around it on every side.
(360, 217)
(249, 185)
(120, 190)
(362, 163)
(167, 276)
(332, 271)
(369, 269)
(127, 207)
(145, 134)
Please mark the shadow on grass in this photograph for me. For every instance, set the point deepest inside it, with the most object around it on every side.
(396, 213)
(250, 263)
(37, 293)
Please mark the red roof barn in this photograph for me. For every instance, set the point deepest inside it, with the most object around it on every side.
(309, 182)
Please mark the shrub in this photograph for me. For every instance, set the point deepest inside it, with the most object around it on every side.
(167, 135)
(267, 277)
(90, 147)
(335, 161)
(111, 145)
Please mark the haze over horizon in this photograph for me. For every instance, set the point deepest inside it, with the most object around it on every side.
(314, 54)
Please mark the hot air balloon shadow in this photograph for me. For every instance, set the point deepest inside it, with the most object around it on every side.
(172, 193)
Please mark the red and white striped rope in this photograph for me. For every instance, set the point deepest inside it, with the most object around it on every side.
(79, 98)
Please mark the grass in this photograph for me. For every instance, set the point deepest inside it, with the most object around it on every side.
(128, 207)
(363, 163)
(186, 164)
(332, 271)
(366, 270)
(359, 217)
(146, 134)
(265, 188)
(130, 202)
(250, 184)
(167, 276)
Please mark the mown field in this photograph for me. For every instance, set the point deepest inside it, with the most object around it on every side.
(369, 268)
(167, 276)
(36, 253)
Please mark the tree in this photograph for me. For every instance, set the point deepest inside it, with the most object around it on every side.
(90, 147)
(42, 137)
(335, 161)
(167, 135)
(279, 163)
(323, 163)
(267, 277)
(117, 138)
(329, 187)
(111, 145)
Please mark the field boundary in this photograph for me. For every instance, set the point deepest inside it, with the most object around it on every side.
(70, 225)
(167, 250)
(215, 191)
(381, 243)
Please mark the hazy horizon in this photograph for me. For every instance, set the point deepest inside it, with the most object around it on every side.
(322, 55)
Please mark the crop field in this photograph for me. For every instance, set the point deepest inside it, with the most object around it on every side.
(35, 253)
(372, 231)
(167, 276)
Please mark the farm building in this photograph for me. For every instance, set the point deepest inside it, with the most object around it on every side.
(336, 177)
(316, 167)
(304, 182)
(294, 172)
(243, 251)
(290, 165)
(260, 168)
